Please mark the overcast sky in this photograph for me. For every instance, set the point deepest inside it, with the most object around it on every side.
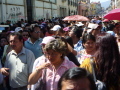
(98, 0)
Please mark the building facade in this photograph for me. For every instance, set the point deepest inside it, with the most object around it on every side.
(12, 10)
(95, 9)
(72, 7)
(62, 7)
(15, 10)
(44, 9)
(83, 7)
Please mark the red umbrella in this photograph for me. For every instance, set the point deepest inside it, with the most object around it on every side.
(113, 15)
(76, 18)
(66, 18)
(105, 20)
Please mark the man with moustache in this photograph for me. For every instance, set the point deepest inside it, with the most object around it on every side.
(19, 63)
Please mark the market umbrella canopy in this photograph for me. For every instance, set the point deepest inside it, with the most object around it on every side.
(113, 15)
(76, 18)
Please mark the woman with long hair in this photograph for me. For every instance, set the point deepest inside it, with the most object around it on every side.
(107, 61)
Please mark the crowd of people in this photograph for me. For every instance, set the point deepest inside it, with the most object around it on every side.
(60, 55)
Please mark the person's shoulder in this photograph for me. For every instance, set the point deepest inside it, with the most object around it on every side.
(10, 53)
(27, 41)
(69, 63)
(39, 60)
(81, 51)
(27, 50)
(40, 39)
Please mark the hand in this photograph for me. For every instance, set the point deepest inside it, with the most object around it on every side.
(45, 65)
(4, 71)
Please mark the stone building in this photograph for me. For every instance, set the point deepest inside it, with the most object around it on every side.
(15, 10)
(83, 7)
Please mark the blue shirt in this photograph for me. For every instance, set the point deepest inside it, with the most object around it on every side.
(34, 47)
(78, 47)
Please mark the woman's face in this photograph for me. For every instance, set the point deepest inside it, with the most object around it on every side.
(80, 84)
(53, 56)
(25, 35)
(89, 45)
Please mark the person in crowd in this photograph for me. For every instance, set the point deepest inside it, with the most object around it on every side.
(33, 42)
(66, 29)
(116, 30)
(27, 26)
(56, 29)
(1, 78)
(49, 32)
(61, 33)
(88, 42)
(105, 25)
(96, 31)
(76, 79)
(18, 64)
(6, 48)
(106, 62)
(55, 63)
(76, 33)
(3, 33)
(3, 41)
(45, 41)
(70, 53)
(25, 34)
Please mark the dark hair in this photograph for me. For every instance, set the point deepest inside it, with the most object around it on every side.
(16, 34)
(4, 38)
(33, 28)
(77, 31)
(108, 60)
(69, 41)
(87, 36)
(75, 74)
(26, 31)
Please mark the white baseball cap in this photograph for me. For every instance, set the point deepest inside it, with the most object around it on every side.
(17, 29)
(92, 26)
(56, 28)
(79, 24)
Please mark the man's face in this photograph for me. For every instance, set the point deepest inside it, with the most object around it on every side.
(15, 43)
(36, 33)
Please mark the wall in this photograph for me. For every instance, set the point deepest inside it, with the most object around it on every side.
(13, 10)
(45, 9)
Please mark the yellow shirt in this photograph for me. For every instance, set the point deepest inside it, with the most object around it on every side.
(87, 65)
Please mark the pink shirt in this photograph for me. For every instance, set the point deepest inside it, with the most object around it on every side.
(53, 75)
